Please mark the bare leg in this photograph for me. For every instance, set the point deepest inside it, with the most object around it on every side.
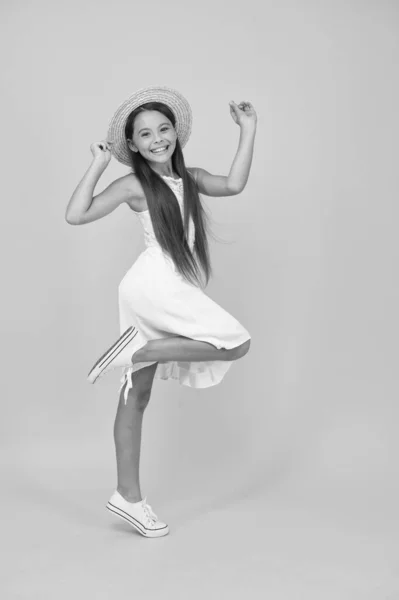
(186, 349)
(129, 417)
(127, 433)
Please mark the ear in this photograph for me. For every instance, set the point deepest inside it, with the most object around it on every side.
(132, 146)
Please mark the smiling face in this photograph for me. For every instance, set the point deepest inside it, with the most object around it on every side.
(153, 136)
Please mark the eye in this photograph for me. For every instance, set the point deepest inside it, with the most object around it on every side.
(165, 127)
(144, 134)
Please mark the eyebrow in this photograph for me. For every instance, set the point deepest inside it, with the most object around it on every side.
(144, 128)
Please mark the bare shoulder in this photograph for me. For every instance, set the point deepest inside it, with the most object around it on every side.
(193, 171)
(131, 184)
(135, 196)
(125, 189)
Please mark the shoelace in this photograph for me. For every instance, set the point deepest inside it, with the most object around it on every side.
(149, 513)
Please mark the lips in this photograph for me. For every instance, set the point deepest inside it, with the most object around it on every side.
(160, 150)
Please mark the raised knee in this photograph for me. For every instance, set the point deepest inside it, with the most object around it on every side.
(245, 347)
(241, 350)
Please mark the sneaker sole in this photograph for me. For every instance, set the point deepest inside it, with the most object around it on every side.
(150, 533)
(111, 353)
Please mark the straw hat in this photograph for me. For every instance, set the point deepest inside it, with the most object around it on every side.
(173, 99)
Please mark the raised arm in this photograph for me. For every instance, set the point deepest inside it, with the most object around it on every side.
(219, 185)
(83, 207)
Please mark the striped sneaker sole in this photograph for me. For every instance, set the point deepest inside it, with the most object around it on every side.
(112, 353)
(135, 523)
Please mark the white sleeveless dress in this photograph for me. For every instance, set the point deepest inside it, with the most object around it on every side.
(155, 298)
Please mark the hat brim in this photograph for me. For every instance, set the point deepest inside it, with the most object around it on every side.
(172, 98)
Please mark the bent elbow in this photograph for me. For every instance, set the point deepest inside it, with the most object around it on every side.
(71, 220)
(235, 189)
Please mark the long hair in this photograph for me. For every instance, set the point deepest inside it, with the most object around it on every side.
(169, 229)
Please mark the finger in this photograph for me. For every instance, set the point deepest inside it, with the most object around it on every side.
(236, 109)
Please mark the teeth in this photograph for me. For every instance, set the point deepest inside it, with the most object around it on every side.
(159, 150)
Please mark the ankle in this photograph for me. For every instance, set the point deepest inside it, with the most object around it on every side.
(129, 496)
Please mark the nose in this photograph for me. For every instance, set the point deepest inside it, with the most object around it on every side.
(157, 137)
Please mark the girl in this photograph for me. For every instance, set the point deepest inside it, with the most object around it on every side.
(170, 328)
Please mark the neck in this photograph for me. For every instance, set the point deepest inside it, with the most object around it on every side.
(166, 173)
(163, 169)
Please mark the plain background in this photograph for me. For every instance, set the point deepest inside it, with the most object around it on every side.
(282, 481)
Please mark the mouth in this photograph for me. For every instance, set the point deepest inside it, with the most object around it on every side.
(160, 150)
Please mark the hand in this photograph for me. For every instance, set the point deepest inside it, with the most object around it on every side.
(101, 152)
(243, 113)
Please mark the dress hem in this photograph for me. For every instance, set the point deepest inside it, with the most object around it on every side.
(195, 374)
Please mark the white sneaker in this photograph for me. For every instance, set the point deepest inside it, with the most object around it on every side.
(119, 354)
(138, 514)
